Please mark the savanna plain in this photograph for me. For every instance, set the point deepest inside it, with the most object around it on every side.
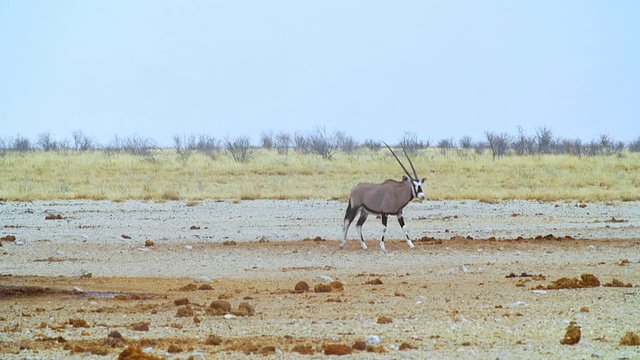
(153, 257)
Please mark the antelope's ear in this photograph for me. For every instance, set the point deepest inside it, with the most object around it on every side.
(424, 180)
(404, 178)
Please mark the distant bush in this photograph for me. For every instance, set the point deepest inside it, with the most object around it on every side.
(240, 148)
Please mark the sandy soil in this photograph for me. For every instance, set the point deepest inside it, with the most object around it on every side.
(477, 285)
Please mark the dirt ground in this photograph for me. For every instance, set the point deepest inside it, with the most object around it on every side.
(516, 279)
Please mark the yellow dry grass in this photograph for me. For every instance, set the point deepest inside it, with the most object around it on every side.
(42, 175)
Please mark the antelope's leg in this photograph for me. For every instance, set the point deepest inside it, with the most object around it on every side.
(404, 228)
(361, 220)
(384, 232)
(348, 219)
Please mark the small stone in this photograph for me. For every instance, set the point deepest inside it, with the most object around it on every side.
(573, 334)
(186, 311)
(174, 349)
(76, 323)
(302, 286)
(180, 302)
(149, 243)
(221, 306)
(203, 279)
(115, 334)
(630, 339)
(214, 340)
(205, 287)
(337, 349)
(141, 326)
(322, 288)
(323, 279)
(385, 320)
(374, 340)
(375, 281)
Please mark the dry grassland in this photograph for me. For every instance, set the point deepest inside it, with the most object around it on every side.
(39, 175)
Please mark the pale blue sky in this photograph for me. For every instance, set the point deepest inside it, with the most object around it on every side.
(372, 69)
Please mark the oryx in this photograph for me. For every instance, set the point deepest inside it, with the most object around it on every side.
(387, 198)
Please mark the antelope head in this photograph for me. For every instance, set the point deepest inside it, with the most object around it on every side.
(415, 181)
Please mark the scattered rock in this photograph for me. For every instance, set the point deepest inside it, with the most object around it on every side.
(323, 279)
(573, 334)
(304, 349)
(334, 286)
(375, 281)
(374, 340)
(125, 236)
(407, 346)
(336, 349)
(193, 227)
(302, 286)
(322, 288)
(203, 279)
(180, 302)
(141, 326)
(148, 243)
(54, 217)
(77, 323)
(214, 340)
(618, 283)
(186, 311)
(115, 334)
(385, 320)
(229, 242)
(8, 238)
(220, 307)
(244, 309)
(136, 353)
(173, 349)
(205, 287)
(190, 287)
(585, 281)
(630, 339)
(376, 349)
(360, 345)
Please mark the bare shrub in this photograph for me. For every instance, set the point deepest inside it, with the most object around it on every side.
(571, 147)
(282, 143)
(82, 142)
(634, 145)
(523, 144)
(480, 147)
(544, 140)
(498, 143)
(240, 148)
(322, 143)
(301, 142)
(411, 144)
(138, 146)
(267, 140)
(208, 145)
(347, 143)
(21, 144)
(445, 145)
(373, 145)
(184, 146)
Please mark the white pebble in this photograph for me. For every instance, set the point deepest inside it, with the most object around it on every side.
(373, 340)
(323, 279)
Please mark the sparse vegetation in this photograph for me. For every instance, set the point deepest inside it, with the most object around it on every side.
(520, 167)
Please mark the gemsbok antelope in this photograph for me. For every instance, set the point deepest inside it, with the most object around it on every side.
(387, 198)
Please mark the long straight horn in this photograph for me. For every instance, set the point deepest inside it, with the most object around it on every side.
(399, 162)
(410, 163)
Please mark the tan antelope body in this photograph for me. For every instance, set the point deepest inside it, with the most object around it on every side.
(384, 199)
